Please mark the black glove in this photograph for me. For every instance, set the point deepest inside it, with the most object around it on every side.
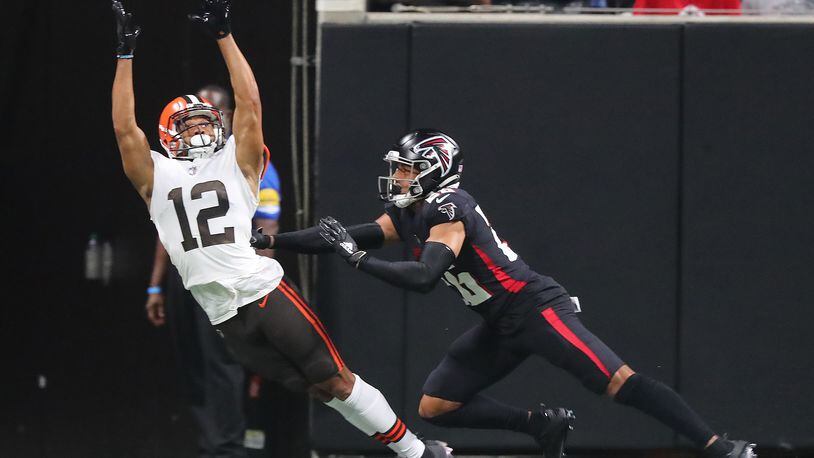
(259, 240)
(126, 31)
(214, 17)
(334, 233)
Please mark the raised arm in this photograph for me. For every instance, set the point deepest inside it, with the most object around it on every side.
(133, 145)
(247, 121)
(215, 17)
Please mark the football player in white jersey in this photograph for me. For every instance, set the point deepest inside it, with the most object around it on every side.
(201, 197)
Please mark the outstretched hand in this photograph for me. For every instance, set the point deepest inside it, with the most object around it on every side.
(334, 233)
(126, 32)
(214, 17)
(259, 240)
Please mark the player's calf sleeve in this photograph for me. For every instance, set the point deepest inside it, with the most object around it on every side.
(368, 410)
(661, 402)
(482, 412)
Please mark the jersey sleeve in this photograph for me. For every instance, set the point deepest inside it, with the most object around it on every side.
(448, 207)
(393, 212)
(269, 207)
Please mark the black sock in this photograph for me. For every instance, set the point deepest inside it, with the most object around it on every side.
(536, 424)
(485, 413)
(661, 402)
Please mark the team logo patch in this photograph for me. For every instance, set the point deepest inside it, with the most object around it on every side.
(448, 209)
(438, 148)
(192, 170)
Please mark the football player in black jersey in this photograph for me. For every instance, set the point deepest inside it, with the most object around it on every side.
(524, 312)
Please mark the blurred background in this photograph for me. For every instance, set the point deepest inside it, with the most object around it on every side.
(654, 156)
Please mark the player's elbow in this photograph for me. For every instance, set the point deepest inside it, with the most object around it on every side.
(250, 102)
(123, 128)
(255, 105)
(127, 132)
(424, 285)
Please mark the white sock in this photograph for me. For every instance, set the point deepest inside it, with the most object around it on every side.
(368, 410)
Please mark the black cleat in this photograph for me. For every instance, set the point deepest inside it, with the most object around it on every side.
(740, 449)
(436, 449)
(552, 438)
(743, 449)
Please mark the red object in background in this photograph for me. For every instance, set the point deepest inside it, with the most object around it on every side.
(677, 5)
(255, 381)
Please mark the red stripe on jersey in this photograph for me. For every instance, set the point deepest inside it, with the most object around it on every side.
(509, 284)
(312, 318)
(555, 321)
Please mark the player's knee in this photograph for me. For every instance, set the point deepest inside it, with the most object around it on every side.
(296, 384)
(319, 394)
(619, 379)
(340, 388)
(431, 407)
(333, 388)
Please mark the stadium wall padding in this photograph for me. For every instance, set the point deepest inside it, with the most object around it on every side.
(365, 318)
(748, 210)
(659, 172)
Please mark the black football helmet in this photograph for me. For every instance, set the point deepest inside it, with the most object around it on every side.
(432, 154)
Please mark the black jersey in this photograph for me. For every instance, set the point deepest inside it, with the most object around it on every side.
(491, 278)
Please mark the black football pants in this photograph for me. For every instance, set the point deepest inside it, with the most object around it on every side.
(480, 357)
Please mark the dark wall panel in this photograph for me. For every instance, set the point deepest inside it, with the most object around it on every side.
(660, 173)
(363, 107)
(571, 148)
(745, 342)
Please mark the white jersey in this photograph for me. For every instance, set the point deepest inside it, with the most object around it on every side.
(202, 210)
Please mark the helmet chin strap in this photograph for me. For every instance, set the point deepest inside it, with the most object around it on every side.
(403, 200)
(406, 199)
(201, 146)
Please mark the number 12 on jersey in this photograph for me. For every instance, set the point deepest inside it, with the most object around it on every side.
(207, 238)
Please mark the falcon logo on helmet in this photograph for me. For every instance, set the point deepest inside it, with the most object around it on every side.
(422, 162)
(190, 127)
(438, 148)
